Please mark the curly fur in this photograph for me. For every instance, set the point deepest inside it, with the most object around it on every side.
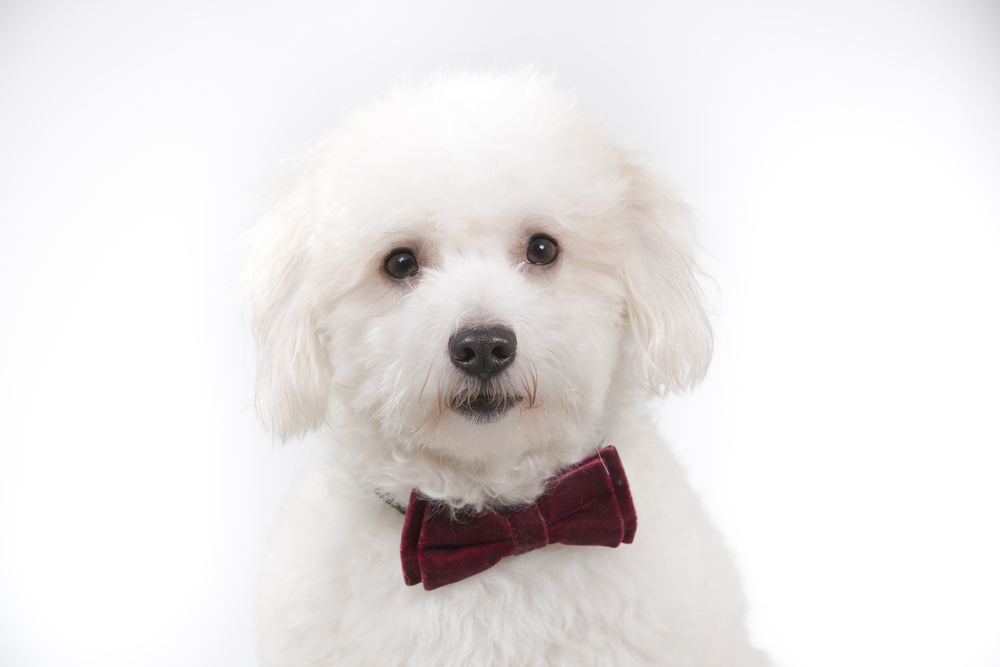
(463, 170)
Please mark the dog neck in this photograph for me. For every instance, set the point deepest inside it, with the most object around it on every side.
(501, 481)
(392, 501)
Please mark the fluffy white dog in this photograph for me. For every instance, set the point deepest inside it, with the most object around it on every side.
(470, 288)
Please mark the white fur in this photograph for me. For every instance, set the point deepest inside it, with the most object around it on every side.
(463, 170)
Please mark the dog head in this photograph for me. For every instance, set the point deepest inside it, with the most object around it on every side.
(471, 268)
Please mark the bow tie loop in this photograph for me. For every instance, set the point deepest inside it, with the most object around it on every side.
(586, 505)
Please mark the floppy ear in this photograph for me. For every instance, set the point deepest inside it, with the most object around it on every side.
(293, 371)
(664, 301)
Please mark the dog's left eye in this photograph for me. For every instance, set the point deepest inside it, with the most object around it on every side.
(542, 250)
(401, 264)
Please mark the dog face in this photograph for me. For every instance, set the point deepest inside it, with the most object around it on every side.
(478, 336)
(474, 268)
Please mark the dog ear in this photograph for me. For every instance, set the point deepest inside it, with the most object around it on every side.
(293, 371)
(664, 300)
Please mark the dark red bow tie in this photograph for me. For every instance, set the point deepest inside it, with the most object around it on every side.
(587, 504)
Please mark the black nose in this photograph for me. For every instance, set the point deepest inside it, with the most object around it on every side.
(483, 351)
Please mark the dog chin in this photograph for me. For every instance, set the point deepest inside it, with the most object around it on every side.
(484, 409)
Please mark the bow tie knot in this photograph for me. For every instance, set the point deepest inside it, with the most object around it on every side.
(588, 504)
(527, 530)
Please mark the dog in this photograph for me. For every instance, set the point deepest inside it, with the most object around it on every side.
(472, 291)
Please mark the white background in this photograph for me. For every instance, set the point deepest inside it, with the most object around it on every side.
(845, 157)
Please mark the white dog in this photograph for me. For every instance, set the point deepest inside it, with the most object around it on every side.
(470, 288)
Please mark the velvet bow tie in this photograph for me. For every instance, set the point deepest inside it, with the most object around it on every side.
(587, 504)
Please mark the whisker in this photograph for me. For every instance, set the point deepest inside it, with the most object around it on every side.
(430, 367)
(534, 384)
(549, 359)
(572, 385)
(524, 385)
(440, 391)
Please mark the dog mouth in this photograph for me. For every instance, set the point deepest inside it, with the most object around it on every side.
(485, 408)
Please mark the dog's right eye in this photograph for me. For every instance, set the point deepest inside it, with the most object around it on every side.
(401, 264)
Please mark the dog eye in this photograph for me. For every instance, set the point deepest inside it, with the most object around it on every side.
(542, 250)
(401, 264)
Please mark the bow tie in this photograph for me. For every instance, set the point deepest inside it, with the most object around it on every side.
(586, 504)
